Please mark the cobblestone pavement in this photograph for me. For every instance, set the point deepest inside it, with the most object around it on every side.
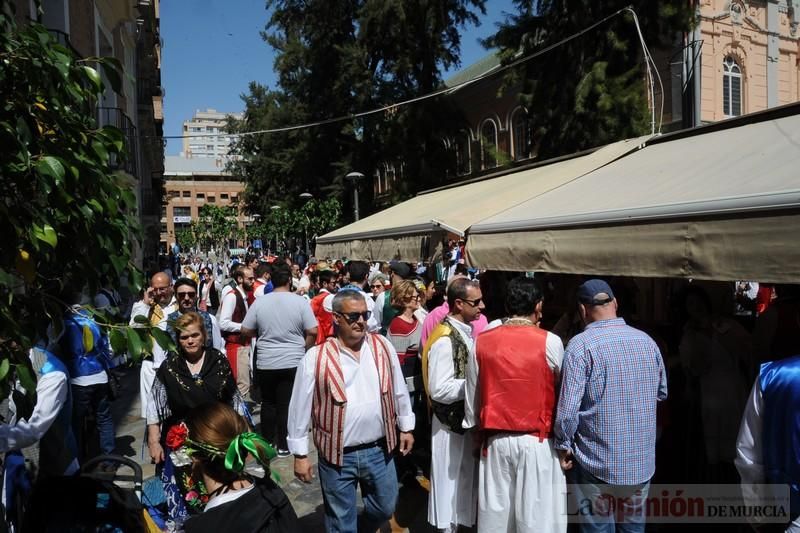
(306, 498)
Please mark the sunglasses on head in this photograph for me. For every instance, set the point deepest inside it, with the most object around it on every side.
(352, 318)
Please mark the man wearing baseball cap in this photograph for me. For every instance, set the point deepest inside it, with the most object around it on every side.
(605, 429)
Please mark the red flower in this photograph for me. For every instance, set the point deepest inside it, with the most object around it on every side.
(177, 435)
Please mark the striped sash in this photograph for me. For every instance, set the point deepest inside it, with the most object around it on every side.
(329, 403)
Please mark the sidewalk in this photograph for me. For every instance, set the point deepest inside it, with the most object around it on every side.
(306, 498)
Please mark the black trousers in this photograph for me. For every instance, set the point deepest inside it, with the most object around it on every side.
(276, 392)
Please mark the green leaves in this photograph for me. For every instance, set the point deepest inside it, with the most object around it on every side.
(134, 344)
(45, 234)
(94, 78)
(163, 339)
(50, 167)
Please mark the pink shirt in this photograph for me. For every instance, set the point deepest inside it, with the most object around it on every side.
(438, 314)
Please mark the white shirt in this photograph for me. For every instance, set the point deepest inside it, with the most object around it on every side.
(51, 393)
(554, 354)
(363, 421)
(141, 308)
(442, 383)
(226, 497)
(216, 335)
(226, 322)
(375, 322)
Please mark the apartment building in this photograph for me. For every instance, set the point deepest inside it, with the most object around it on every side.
(204, 134)
(191, 184)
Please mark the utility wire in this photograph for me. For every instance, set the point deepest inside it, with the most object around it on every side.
(459, 86)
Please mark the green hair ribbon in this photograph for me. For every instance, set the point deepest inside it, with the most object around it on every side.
(244, 443)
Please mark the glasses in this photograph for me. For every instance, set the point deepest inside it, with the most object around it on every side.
(161, 289)
(352, 318)
(182, 295)
(377, 286)
(474, 303)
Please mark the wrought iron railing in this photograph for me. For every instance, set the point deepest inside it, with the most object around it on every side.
(114, 116)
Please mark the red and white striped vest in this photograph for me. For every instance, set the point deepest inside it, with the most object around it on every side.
(329, 404)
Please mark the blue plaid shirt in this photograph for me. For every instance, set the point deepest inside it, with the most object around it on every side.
(612, 378)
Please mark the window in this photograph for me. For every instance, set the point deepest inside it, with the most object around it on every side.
(201, 196)
(212, 199)
(731, 88)
(163, 211)
(181, 211)
(210, 129)
(187, 194)
(210, 147)
(223, 196)
(520, 130)
(489, 144)
(463, 155)
(163, 228)
(234, 200)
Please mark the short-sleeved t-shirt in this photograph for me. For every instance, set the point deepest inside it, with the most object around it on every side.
(281, 319)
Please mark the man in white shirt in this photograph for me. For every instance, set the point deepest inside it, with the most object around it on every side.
(510, 397)
(156, 305)
(444, 361)
(351, 390)
(233, 309)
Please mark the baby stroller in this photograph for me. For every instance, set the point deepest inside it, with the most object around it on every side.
(98, 499)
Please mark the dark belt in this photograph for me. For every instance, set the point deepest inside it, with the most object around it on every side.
(367, 445)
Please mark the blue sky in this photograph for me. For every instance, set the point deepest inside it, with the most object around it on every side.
(211, 53)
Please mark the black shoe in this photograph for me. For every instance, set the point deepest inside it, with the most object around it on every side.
(283, 453)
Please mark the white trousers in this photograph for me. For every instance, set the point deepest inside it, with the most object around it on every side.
(521, 488)
(146, 377)
(454, 478)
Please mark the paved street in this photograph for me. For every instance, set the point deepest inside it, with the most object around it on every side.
(306, 499)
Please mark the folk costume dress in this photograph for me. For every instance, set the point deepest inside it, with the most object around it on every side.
(454, 471)
(511, 397)
(175, 392)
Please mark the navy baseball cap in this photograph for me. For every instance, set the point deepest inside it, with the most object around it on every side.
(595, 292)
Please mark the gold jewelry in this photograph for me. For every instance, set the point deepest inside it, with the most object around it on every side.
(517, 321)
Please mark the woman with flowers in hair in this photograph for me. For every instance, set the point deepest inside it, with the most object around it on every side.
(195, 375)
(217, 443)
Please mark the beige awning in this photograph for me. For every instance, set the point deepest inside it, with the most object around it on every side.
(720, 205)
(402, 231)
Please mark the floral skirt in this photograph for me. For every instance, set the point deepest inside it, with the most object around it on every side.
(185, 496)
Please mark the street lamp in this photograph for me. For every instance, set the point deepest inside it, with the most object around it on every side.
(274, 208)
(305, 196)
(355, 177)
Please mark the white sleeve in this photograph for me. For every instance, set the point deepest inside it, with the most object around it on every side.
(226, 314)
(300, 404)
(139, 309)
(442, 383)
(402, 401)
(51, 393)
(216, 335)
(472, 406)
(749, 458)
(375, 322)
(554, 352)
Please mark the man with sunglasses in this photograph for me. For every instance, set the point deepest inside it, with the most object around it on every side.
(156, 303)
(351, 391)
(186, 296)
(453, 495)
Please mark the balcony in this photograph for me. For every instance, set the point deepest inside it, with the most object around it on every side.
(114, 116)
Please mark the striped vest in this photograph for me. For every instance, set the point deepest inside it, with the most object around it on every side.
(329, 404)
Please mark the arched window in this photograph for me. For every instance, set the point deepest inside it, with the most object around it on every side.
(731, 88)
(489, 144)
(463, 154)
(520, 131)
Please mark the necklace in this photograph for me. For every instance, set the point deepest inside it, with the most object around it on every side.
(194, 368)
(519, 322)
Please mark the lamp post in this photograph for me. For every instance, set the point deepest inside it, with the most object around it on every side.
(275, 208)
(257, 219)
(355, 177)
(306, 196)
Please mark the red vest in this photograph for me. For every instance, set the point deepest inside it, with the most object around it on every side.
(329, 403)
(324, 318)
(516, 386)
(239, 312)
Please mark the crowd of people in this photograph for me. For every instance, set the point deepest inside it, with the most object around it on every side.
(401, 378)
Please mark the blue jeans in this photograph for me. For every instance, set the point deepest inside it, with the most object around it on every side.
(373, 470)
(604, 508)
(92, 399)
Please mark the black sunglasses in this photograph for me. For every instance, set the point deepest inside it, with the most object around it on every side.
(352, 318)
(474, 303)
(182, 295)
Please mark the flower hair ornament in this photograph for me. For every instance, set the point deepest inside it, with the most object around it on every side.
(183, 448)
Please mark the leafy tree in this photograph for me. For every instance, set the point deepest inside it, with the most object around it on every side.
(215, 227)
(336, 59)
(186, 238)
(591, 90)
(69, 220)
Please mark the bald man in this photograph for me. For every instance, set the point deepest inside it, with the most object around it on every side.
(156, 304)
